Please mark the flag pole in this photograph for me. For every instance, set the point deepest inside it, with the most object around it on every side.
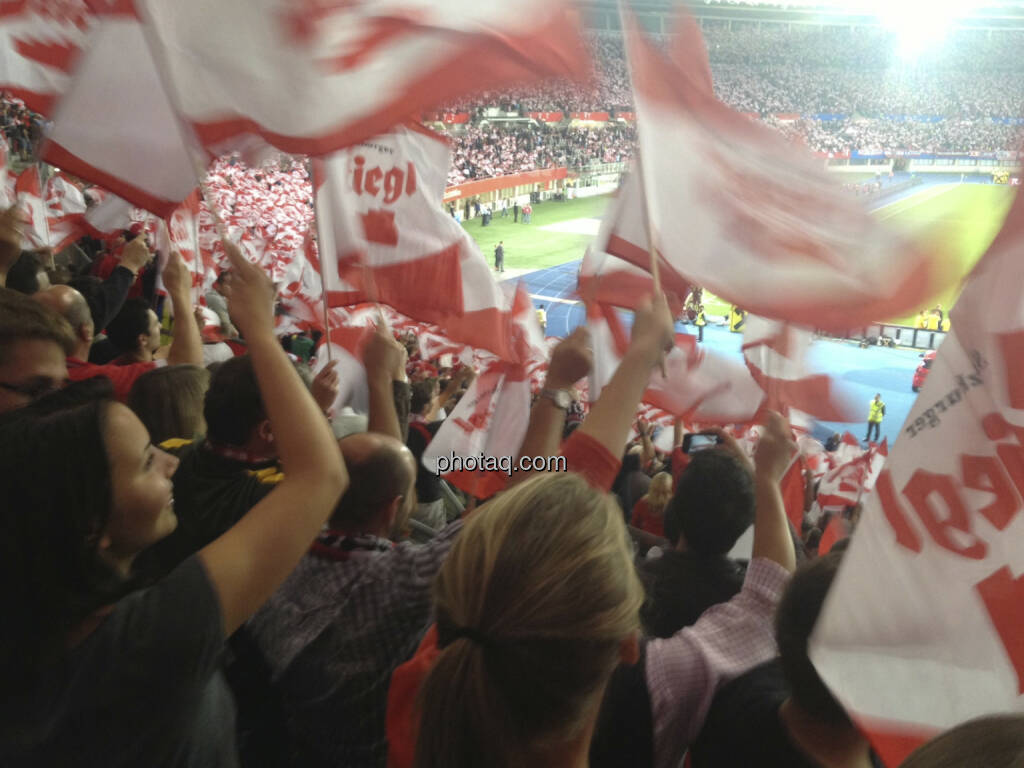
(652, 247)
(311, 171)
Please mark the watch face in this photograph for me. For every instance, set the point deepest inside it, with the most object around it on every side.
(562, 399)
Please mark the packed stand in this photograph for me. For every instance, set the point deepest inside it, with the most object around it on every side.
(498, 150)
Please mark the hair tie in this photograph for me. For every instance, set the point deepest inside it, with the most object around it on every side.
(471, 634)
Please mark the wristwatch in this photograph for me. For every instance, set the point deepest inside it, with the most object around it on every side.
(559, 397)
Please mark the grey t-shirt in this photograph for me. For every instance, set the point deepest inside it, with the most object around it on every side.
(144, 689)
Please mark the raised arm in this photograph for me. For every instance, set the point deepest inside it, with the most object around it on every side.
(571, 360)
(383, 356)
(186, 345)
(463, 374)
(247, 563)
(611, 417)
(775, 449)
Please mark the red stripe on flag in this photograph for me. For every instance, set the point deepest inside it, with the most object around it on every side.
(55, 154)
(460, 73)
(1011, 345)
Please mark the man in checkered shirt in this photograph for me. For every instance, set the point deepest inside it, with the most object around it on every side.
(354, 608)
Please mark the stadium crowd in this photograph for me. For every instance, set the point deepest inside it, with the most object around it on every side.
(206, 563)
(496, 150)
(227, 613)
(964, 97)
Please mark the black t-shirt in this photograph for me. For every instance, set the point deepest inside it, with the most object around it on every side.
(211, 494)
(680, 586)
(144, 689)
(743, 728)
(428, 484)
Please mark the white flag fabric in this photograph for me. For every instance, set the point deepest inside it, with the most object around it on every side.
(775, 354)
(28, 188)
(923, 628)
(314, 76)
(115, 125)
(383, 236)
(624, 282)
(486, 428)
(112, 215)
(699, 385)
(737, 209)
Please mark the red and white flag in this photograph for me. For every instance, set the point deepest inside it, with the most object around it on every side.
(850, 482)
(330, 73)
(738, 210)
(29, 191)
(699, 385)
(383, 236)
(923, 628)
(115, 125)
(775, 354)
(65, 208)
(112, 215)
(39, 41)
(485, 431)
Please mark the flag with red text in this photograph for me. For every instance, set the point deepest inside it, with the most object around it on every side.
(383, 236)
(922, 629)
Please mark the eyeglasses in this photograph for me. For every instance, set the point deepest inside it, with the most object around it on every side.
(34, 388)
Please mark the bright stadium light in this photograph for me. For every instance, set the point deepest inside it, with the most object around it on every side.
(920, 24)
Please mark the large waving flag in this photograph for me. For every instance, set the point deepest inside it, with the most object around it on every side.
(314, 76)
(38, 44)
(737, 209)
(383, 236)
(923, 628)
(115, 124)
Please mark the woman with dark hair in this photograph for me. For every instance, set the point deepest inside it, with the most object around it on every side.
(95, 671)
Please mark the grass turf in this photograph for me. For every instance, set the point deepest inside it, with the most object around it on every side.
(968, 216)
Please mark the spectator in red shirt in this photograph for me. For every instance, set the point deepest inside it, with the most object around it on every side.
(186, 345)
(135, 332)
(649, 511)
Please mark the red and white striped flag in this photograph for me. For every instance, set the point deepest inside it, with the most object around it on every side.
(38, 44)
(922, 629)
(383, 236)
(738, 210)
(329, 73)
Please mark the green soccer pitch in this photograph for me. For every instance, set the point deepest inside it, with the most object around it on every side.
(967, 215)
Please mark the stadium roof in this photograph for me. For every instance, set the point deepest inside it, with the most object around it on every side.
(956, 14)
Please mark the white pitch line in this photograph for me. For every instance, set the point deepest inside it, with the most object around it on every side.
(554, 299)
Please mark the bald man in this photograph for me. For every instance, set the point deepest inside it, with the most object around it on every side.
(186, 346)
(353, 610)
(33, 344)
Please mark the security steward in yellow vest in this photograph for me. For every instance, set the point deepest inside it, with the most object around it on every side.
(700, 321)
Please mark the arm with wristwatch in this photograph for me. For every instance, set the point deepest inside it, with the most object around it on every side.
(571, 360)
